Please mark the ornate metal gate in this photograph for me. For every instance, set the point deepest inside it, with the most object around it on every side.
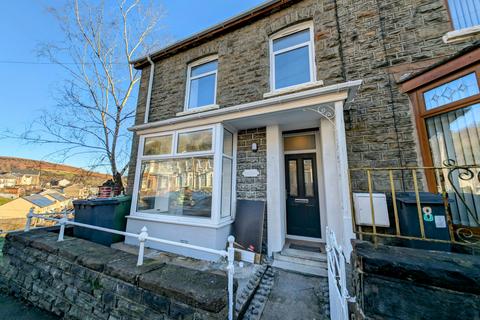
(337, 283)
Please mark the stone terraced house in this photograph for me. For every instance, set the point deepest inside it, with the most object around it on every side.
(284, 102)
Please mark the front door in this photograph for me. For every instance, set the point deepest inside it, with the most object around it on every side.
(303, 216)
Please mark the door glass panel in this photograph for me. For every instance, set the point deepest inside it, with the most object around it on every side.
(455, 135)
(294, 143)
(308, 177)
(452, 91)
(292, 177)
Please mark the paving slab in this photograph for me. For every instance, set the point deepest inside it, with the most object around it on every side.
(297, 297)
(201, 289)
(127, 269)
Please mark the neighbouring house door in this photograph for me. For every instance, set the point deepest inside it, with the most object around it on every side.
(303, 216)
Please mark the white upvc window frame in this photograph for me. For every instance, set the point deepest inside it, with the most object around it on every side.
(311, 45)
(186, 108)
(215, 219)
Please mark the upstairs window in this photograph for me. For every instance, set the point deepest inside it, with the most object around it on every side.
(292, 57)
(464, 13)
(201, 83)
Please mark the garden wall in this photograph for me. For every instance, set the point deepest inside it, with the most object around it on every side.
(404, 283)
(77, 279)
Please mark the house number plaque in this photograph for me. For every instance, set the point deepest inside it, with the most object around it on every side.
(250, 173)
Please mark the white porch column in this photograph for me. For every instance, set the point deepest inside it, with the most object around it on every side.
(276, 217)
(335, 170)
(344, 188)
(331, 176)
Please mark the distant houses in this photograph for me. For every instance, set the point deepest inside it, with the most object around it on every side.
(47, 201)
(24, 178)
(8, 180)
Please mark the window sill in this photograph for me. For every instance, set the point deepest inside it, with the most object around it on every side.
(461, 35)
(292, 89)
(197, 110)
(197, 222)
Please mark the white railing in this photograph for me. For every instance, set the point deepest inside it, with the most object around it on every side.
(337, 279)
(142, 238)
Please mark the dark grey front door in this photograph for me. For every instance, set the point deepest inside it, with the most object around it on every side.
(303, 217)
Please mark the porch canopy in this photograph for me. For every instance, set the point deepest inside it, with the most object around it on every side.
(321, 108)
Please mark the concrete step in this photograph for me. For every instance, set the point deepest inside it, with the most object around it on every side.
(300, 268)
(300, 260)
(315, 256)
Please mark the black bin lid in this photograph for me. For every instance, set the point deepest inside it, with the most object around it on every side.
(425, 198)
(101, 201)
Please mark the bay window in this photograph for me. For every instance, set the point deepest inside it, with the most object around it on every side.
(187, 174)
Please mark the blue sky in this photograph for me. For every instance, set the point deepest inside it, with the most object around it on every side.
(26, 88)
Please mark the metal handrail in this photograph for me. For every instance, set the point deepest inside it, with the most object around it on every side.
(143, 237)
(462, 235)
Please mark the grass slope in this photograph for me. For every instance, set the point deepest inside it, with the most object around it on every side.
(4, 200)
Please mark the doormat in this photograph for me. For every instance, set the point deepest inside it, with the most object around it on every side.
(305, 248)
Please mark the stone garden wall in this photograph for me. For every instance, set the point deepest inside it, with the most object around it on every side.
(403, 283)
(77, 279)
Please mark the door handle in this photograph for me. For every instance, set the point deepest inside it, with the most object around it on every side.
(301, 200)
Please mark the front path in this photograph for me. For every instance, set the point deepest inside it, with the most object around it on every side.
(297, 297)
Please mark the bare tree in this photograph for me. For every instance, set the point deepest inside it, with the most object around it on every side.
(95, 103)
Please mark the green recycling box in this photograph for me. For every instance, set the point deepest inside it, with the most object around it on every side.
(433, 216)
(107, 213)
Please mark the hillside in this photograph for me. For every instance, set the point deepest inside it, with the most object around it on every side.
(49, 170)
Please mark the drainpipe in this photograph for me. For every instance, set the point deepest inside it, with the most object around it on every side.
(149, 90)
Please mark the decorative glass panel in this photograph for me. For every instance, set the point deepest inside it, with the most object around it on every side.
(292, 67)
(308, 178)
(464, 13)
(452, 91)
(202, 91)
(158, 145)
(195, 141)
(226, 187)
(295, 143)
(455, 136)
(291, 40)
(292, 178)
(203, 68)
(227, 143)
(180, 187)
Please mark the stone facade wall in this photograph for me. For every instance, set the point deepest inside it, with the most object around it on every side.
(376, 41)
(381, 41)
(403, 283)
(77, 279)
(252, 188)
(243, 59)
